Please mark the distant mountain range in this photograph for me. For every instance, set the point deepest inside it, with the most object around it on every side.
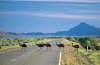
(82, 29)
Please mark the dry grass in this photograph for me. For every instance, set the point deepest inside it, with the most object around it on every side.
(95, 58)
(5, 48)
(72, 57)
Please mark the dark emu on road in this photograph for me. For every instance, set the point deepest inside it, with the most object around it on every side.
(23, 46)
(40, 45)
(60, 45)
(48, 45)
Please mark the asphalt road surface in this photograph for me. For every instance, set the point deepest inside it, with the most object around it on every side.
(32, 56)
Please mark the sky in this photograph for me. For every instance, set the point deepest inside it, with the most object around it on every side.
(47, 16)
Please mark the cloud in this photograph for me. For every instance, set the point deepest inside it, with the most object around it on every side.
(86, 11)
(66, 16)
(59, 0)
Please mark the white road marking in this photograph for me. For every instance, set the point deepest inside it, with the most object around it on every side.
(59, 59)
(13, 59)
(23, 55)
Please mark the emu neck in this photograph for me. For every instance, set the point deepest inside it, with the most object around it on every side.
(56, 44)
(36, 44)
(72, 44)
(20, 44)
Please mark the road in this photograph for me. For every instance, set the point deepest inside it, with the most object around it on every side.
(32, 56)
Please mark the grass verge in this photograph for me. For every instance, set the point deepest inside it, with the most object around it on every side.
(6, 48)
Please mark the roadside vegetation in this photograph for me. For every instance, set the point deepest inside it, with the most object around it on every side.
(71, 56)
(13, 43)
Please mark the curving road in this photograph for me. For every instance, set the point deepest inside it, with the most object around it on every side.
(32, 56)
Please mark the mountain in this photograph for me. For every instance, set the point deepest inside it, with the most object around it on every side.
(82, 29)
(2, 33)
(60, 33)
(34, 33)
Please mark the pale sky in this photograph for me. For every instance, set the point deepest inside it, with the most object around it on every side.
(46, 17)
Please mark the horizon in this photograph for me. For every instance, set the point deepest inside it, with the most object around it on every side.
(46, 33)
(47, 17)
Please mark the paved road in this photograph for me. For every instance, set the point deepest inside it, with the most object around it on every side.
(32, 56)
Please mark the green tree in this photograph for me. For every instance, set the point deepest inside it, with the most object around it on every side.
(87, 43)
(93, 40)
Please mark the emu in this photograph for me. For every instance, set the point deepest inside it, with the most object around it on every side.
(48, 45)
(40, 45)
(97, 48)
(23, 46)
(60, 45)
(75, 46)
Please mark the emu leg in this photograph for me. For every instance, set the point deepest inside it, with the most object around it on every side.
(47, 48)
(60, 47)
(41, 49)
(50, 48)
(22, 49)
(63, 48)
(77, 49)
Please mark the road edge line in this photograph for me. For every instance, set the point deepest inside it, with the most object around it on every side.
(59, 59)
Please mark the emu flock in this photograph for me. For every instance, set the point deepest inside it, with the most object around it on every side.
(41, 45)
(48, 45)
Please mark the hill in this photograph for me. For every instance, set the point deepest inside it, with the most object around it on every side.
(82, 29)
